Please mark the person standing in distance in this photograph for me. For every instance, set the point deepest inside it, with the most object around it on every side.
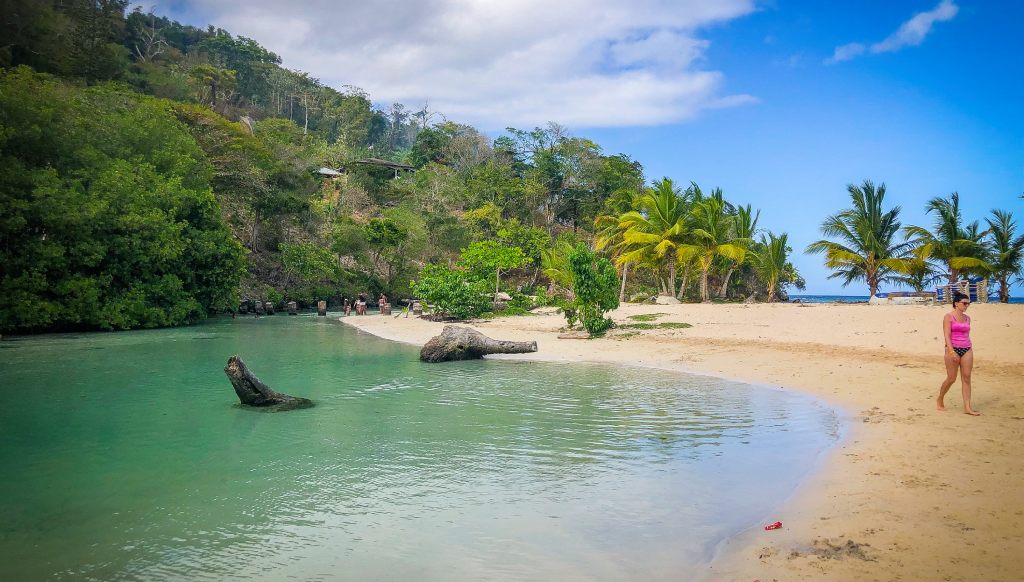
(956, 327)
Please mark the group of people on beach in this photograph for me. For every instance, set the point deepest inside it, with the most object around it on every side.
(959, 358)
(360, 304)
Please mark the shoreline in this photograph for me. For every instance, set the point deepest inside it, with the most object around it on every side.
(891, 498)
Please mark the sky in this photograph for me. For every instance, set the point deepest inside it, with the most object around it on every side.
(780, 103)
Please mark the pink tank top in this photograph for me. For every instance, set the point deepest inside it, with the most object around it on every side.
(960, 333)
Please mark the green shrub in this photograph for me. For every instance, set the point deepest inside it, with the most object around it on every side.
(452, 292)
(596, 286)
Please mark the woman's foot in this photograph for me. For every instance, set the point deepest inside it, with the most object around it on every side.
(939, 405)
(972, 412)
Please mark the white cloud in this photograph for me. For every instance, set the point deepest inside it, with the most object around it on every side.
(910, 33)
(584, 63)
(913, 31)
(846, 52)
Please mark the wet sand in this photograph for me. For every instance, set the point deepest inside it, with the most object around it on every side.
(910, 494)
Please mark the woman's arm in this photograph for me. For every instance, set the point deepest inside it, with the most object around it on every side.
(947, 330)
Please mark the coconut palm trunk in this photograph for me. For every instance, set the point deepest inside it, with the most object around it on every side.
(705, 297)
(622, 288)
(725, 283)
(685, 283)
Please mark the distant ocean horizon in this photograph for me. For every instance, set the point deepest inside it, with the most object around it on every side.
(859, 299)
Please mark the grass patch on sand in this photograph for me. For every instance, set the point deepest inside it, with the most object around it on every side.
(646, 316)
(663, 325)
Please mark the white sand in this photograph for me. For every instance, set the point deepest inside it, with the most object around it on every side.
(910, 494)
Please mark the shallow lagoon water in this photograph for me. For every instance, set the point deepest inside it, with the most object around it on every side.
(126, 456)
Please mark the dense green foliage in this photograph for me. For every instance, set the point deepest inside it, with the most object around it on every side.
(452, 292)
(595, 285)
(312, 271)
(108, 217)
(485, 257)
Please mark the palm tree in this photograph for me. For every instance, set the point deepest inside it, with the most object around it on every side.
(712, 235)
(769, 260)
(918, 271)
(745, 227)
(1007, 251)
(555, 262)
(866, 248)
(958, 247)
(610, 233)
(655, 232)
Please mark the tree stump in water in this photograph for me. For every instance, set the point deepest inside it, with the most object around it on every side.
(463, 343)
(252, 392)
(321, 308)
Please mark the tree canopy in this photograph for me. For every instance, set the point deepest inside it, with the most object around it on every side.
(109, 220)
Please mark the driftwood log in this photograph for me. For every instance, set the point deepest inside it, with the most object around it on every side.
(252, 392)
(463, 343)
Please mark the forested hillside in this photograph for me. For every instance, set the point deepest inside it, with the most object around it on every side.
(152, 173)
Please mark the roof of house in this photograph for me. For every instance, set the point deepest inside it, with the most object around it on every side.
(384, 163)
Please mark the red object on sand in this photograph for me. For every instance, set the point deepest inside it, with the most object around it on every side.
(776, 525)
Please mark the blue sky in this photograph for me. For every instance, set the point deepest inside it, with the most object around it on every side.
(927, 120)
(739, 94)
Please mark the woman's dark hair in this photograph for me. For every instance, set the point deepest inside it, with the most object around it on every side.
(958, 297)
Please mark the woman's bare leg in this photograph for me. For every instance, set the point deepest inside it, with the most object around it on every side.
(966, 367)
(952, 365)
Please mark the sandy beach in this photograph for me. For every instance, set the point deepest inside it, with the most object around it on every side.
(910, 493)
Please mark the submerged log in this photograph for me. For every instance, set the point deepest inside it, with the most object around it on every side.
(463, 343)
(252, 392)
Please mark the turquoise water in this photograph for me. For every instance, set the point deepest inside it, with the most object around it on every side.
(126, 456)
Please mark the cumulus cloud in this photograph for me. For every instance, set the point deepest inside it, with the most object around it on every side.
(584, 63)
(910, 33)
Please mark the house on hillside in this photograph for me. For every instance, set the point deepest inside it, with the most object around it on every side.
(375, 162)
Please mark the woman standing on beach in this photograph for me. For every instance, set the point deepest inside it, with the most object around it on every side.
(956, 326)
